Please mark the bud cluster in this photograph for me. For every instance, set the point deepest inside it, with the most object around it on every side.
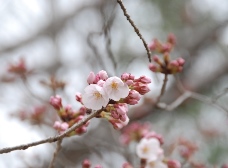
(18, 68)
(165, 65)
(187, 148)
(68, 116)
(34, 116)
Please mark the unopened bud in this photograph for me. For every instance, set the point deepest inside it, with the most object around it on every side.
(103, 75)
(86, 164)
(91, 78)
(171, 39)
(173, 164)
(181, 61)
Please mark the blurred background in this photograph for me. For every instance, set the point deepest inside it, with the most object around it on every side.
(64, 40)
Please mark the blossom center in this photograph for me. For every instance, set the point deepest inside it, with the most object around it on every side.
(145, 149)
(114, 85)
(97, 95)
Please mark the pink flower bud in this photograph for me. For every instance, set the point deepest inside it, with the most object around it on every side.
(115, 114)
(103, 75)
(98, 166)
(79, 118)
(123, 117)
(61, 127)
(132, 98)
(121, 108)
(141, 88)
(153, 67)
(97, 78)
(174, 63)
(152, 46)
(157, 60)
(173, 164)
(143, 79)
(134, 95)
(81, 130)
(127, 165)
(91, 78)
(171, 39)
(68, 109)
(166, 48)
(82, 110)
(125, 76)
(101, 83)
(78, 97)
(225, 166)
(64, 126)
(86, 164)
(129, 82)
(56, 102)
(118, 124)
(181, 61)
(57, 125)
(131, 77)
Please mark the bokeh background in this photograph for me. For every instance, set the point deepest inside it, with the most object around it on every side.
(68, 39)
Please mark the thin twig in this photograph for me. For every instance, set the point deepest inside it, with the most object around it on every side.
(29, 89)
(215, 98)
(163, 88)
(176, 103)
(55, 153)
(202, 98)
(207, 100)
(94, 48)
(106, 30)
(135, 28)
(53, 138)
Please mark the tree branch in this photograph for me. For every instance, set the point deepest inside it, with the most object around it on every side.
(163, 88)
(51, 139)
(55, 153)
(135, 28)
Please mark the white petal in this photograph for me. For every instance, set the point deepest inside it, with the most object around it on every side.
(91, 101)
(121, 91)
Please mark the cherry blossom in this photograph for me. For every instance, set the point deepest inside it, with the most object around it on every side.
(95, 97)
(116, 88)
(149, 149)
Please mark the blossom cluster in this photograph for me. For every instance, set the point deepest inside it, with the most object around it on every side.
(113, 94)
(110, 95)
(165, 65)
(149, 148)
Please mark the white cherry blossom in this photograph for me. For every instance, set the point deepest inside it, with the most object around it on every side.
(94, 97)
(149, 149)
(116, 88)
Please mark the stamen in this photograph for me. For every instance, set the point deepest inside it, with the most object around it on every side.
(97, 95)
(145, 149)
(114, 85)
